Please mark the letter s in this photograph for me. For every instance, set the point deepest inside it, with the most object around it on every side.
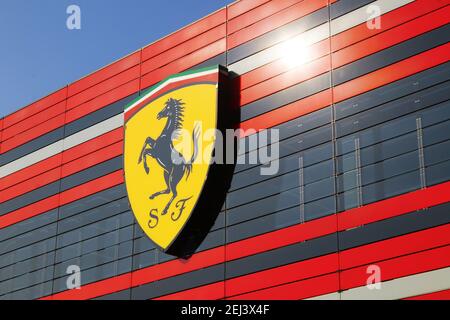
(153, 218)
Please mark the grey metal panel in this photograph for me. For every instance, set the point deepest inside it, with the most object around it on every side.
(27, 266)
(281, 256)
(120, 295)
(393, 109)
(26, 280)
(436, 133)
(28, 252)
(395, 227)
(392, 91)
(98, 116)
(28, 225)
(272, 222)
(320, 208)
(392, 55)
(34, 292)
(98, 273)
(53, 188)
(145, 259)
(438, 173)
(93, 215)
(146, 255)
(281, 201)
(92, 173)
(379, 171)
(92, 201)
(178, 283)
(289, 95)
(437, 153)
(260, 190)
(378, 152)
(31, 146)
(28, 239)
(107, 225)
(61, 145)
(292, 145)
(436, 114)
(29, 198)
(314, 189)
(96, 258)
(383, 133)
(291, 128)
(391, 187)
(312, 159)
(342, 7)
(94, 244)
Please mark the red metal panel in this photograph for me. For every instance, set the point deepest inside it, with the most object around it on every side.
(184, 48)
(240, 7)
(35, 107)
(81, 163)
(92, 145)
(213, 291)
(285, 80)
(352, 88)
(34, 120)
(105, 73)
(29, 211)
(281, 275)
(297, 290)
(395, 247)
(30, 184)
(184, 63)
(395, 206)
(389, 20)
(33, 133)
(279, 66)
(391, 37)
(91, 187)
(399, 267)
(67, 156)
(392, 73)
(275, 21)
(102, 100)
(258, 13)
(31, 171)
(65, 197)
(184, 34)
(92, 159)
(105, 86)
(278, 81)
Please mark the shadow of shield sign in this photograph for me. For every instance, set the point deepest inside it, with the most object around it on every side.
(170, 136)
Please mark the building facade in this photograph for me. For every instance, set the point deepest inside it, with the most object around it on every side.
(359, 92)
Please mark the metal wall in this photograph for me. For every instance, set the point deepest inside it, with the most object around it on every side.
(364, 163)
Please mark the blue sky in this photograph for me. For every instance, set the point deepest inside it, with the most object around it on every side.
(39, 54)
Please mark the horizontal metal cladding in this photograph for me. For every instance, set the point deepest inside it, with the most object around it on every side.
(312, 230)
(363, 171)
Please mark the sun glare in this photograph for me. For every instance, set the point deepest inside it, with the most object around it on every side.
(294, 53)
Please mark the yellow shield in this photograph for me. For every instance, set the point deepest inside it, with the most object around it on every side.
(166, 157)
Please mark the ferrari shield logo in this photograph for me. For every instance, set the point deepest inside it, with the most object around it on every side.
(166, 161)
